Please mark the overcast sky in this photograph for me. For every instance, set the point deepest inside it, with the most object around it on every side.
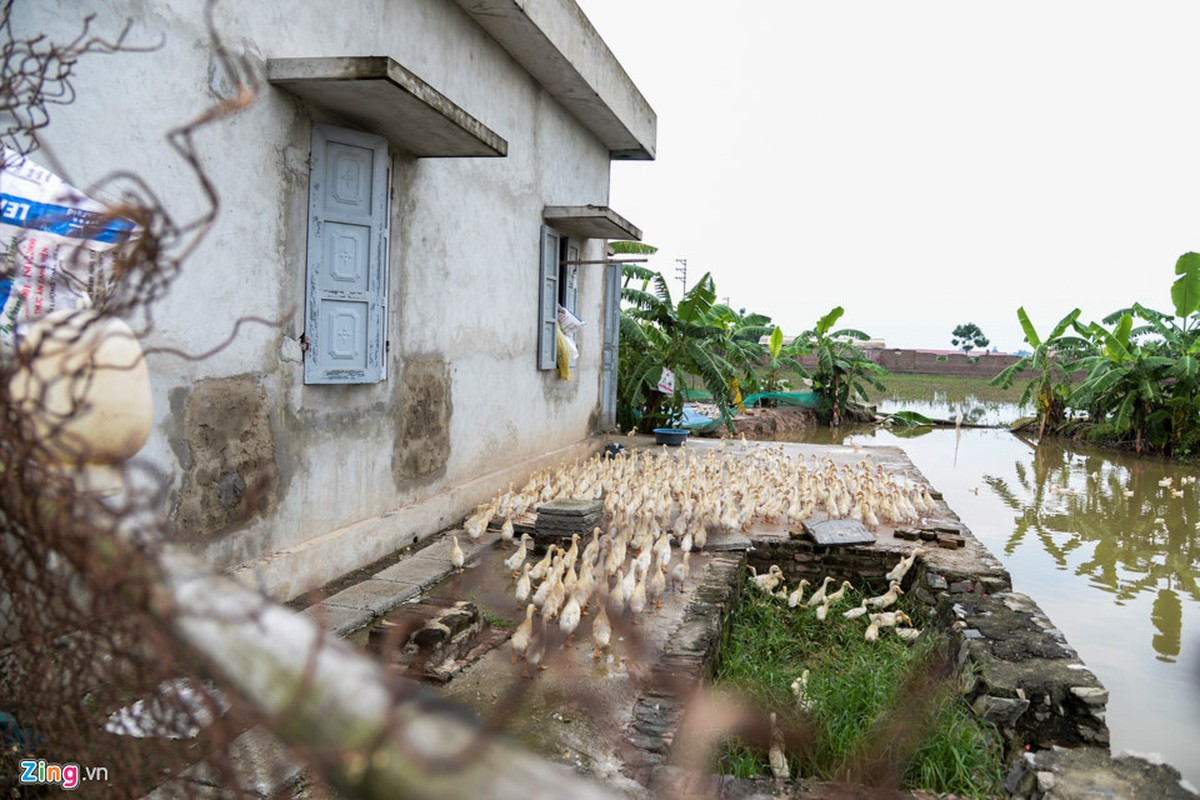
(923, 163)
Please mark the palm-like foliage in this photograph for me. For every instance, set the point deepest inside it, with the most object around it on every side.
(1142, 384)
(694, 339)
(843, 371)
(1052, 358)
(1124, 389)
(1143, 381)
(778, 357)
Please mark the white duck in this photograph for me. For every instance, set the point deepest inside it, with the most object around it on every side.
(568, 619)
(776, 754)
(886, 599)
(592, 549)
(521, 636)
(457, 557)
(572, 552)
(542, 567)
(524, 585)
(769, 580)
(617, 593)
(857, 612)
(818, 596)
(797, 595)
(888, 619)
(680, 572)
(901, 569)
(535, 653)
(601, 627)
(514, 562)
(800, 690)
(834, 597)
(637, 598)
(657, 583)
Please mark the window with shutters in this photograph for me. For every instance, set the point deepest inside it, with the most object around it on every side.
(558, 286)
(345, 321)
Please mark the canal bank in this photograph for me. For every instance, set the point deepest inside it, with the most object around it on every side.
(1032, 710)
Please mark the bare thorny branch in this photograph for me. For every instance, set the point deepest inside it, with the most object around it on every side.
(96, 615)
(99, 619)
(82, 630)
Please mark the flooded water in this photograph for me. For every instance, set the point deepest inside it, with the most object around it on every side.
(1107, 544)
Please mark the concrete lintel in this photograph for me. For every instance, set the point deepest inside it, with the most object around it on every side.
(591, 222)
(382, 96)
(555, 43)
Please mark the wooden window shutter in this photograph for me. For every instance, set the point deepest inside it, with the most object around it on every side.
(347, 270)
(548, 300)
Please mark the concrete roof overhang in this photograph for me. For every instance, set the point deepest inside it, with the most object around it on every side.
(591, 222)
(554, 41)
(380, 95)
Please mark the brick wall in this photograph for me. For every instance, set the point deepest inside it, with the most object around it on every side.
(984, 365)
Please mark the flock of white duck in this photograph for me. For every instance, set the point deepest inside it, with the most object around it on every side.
(658, 501)
(822, 600)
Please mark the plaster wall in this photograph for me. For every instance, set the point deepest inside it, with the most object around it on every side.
(463, 293)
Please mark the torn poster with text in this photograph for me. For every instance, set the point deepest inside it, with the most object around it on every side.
(57, 245)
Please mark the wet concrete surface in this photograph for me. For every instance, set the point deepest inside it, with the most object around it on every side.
(575, 711)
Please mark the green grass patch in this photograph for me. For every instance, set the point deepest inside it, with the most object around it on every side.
(876, 710)
(953, 389)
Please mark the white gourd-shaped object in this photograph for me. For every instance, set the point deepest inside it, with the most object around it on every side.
(85, 390)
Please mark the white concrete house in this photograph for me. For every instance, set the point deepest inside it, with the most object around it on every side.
(417, 188)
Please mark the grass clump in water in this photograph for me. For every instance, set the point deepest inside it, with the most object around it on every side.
(875, 713)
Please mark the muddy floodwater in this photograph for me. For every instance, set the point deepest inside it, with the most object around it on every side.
(1106, 543)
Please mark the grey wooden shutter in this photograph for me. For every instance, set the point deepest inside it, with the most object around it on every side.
(548, 300)
(612, 332)
(346, 284)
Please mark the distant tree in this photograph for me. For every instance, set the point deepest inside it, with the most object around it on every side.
(967, 337)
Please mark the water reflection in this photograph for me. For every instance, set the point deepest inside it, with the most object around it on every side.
(1168, 620)
(974, 410)
(1136, 518)
(1105, 544)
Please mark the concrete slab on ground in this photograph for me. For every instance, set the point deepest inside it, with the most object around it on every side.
(374, 595)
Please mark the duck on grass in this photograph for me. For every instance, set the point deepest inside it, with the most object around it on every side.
(873, 710)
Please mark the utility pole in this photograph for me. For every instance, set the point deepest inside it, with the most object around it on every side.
(681, 272)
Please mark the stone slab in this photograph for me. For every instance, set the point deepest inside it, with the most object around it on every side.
(338, 620)
(1087, 772)
(439, 551)
(374, 595)
(571, 507)
(420, 572)
(838, 532)
(549, 521)
(582, 526)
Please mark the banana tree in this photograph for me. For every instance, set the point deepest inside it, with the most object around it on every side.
(1144, 382)
(778, 357)
(843, 371)
(692, 339)
(1122, 390)
(1053, 359)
